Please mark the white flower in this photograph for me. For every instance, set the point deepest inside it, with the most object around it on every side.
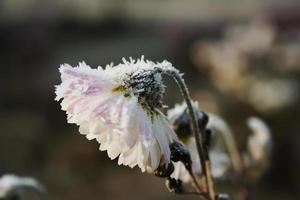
(10, 185)
(259, 143)
(119, 107)
(220, 159)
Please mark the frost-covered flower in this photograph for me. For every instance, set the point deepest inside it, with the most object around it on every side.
(219, 155)
(119, 107)
(259, 148)
(259, 143)
(11, 186)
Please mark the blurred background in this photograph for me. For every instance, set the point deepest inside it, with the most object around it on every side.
(240, 59)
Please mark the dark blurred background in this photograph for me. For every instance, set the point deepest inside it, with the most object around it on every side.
(240, 59)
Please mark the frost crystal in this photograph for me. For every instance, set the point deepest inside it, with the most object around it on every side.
(147, 87)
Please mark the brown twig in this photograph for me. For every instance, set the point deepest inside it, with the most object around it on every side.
(202, 151)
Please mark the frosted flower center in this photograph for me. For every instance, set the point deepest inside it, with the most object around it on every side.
(147, 86)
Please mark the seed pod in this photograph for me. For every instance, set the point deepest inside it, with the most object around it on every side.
(175, 186)
(181, 153)
(164, 171)
(207, 138)
(203, 119)
(182, 127)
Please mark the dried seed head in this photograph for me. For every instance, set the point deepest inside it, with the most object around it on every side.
(164, 171)
(147, 86)
(181, 153)
(202, 119)
(175, 186)
(181, 124)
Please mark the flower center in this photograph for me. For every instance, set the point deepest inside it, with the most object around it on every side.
(147, 86)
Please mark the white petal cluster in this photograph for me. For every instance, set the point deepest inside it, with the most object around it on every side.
(97, 102)
(260, 141)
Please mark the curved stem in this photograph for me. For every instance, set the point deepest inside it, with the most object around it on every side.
(232, 149)
(196, 184)
(202, 151)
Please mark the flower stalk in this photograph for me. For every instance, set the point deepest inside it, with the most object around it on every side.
(198, 133)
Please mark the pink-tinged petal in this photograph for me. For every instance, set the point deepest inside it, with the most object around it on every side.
(129, 157)
(145, 126)
(162, 139)
(155, 157)
(114, 149)
(143, 157)
(82, 80)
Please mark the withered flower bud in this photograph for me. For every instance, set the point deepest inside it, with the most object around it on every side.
(181, 153)
(164, 171)
(175, 186)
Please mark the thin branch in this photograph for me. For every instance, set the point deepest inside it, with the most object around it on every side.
(202, 151)
(232, 150)
(197, 186)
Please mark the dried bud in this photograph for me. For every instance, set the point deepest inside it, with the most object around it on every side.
(164, 171)
(202, 119)
(207, 138)
(182, 125)
(175, 186)
(181, 153)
